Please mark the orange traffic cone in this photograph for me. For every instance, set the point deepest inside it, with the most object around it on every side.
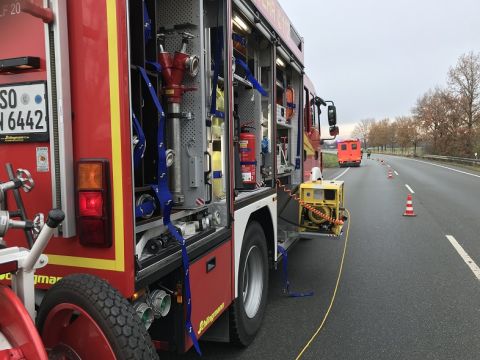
(409, 207)
(390, 174)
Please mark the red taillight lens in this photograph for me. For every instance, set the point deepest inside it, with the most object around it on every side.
(93, 203)
(93, 232)
(90, 203)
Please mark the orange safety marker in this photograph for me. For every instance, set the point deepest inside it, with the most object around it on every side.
(409, 207)
(390, 174)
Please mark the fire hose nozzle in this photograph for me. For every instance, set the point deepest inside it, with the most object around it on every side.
(192, 65)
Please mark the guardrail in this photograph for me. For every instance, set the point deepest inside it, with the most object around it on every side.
(453, 159)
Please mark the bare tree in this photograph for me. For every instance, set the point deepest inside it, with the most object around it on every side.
(404, 135)
(438, 114)
(464, 83)
(362, 129)
(415, 133)
(384, 132)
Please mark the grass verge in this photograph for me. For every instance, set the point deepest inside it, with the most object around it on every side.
(330, 160)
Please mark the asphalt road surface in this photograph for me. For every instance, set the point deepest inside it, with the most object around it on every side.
(407, 292)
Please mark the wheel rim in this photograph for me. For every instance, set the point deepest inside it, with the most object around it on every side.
(69, 332)
(252, 281)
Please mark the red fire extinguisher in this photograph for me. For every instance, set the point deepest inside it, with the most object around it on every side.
(248, 160)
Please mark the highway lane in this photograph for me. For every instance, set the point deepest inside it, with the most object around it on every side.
(405, 291)
(452, 198)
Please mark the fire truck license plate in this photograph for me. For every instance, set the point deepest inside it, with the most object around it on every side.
(23, 113)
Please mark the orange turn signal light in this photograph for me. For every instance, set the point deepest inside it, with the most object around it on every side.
(90, 176)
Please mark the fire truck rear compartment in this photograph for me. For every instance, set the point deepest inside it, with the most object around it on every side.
(199, 174)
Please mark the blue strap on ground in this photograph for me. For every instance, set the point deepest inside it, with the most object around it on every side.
(250, 77)
(286, 282)
(164, 196)
(139, 150)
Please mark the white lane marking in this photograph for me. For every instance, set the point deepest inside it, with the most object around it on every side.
(410, 189)
(343, 173)
(396, 173)
(468, 260)
(388, 165)
(446, 167)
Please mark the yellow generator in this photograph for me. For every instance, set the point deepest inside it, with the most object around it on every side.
(321, 207)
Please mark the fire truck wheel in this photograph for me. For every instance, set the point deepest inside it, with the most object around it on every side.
(83, 317)
(247, 311)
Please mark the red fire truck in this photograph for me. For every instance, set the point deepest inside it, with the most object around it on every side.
(162, 129)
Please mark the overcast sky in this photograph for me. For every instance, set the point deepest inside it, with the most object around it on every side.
(374, 58)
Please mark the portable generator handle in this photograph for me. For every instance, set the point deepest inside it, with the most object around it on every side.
(55, 217)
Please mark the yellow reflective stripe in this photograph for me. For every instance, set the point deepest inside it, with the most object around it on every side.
(118, 264)
(83, 262)
(117, 192)
(308, 147)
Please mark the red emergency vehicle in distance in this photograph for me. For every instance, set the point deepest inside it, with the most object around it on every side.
(349, 152)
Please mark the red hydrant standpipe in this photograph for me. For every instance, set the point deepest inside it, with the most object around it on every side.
(173, 72)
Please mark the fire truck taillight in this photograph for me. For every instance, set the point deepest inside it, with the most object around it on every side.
(90, 203)
(93, 203)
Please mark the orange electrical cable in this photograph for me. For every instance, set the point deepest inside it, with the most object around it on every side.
(308, 206)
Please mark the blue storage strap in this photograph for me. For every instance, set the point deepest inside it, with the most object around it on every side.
(216, 71)
(139, 150)
(156, 65)
(147, 23)
(239, 38)
(148, 207)
(250, 77)
(286, 283)
(291, 105)
(165, 199)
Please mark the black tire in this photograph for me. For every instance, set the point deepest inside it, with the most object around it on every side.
(243, 327)
(114, 315)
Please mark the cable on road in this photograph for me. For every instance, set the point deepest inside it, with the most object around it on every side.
(332, 301)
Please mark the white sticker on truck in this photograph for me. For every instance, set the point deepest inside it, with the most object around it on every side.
(42, 159)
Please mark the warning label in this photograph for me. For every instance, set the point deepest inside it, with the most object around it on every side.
(247, 176)
(42, 159)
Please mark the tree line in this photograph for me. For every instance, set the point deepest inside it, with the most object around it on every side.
(444, 120)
